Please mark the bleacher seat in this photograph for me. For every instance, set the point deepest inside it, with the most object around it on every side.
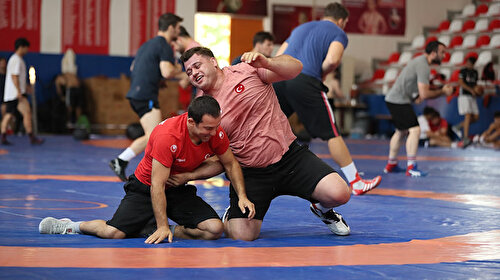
(393, 58)
(445, 39)
(481, 9)
(418, 42)
(443, 26)
(484, 58)
(455, 26)
(483, 41)
(430, 39)
(481, 25)
(378, 75)
(494, 25)
(456, 42)
(446, 58)
(456, 58)
(468, 25)
(469, 10)
(454, 76)
(494, 42)
(469, 41)
(446, 72)
(404, 58)
(493, 10)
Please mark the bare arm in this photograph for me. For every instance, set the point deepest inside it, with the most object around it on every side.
(15, 81)
(426, 93)
(159, 177)
(233, 171)
(168, 70)
(208, 169)
(279, 68)
(282, 49)
(333, 57)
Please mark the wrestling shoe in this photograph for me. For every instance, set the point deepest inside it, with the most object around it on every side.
(36, 141)
(360, 186)
(225, 216)
(51, 225)
(118, 166)
(392, 168)
(333, 220)
(413, 171)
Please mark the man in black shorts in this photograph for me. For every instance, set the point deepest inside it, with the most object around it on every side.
(16, 90)
(262, 140)
(412, 84)
(154, 60)
(319, 45)
(179, 144)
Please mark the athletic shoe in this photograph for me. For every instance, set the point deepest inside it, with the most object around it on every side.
(457, 131)
(466, 143)
(6, 143)
(333, 220)
(36, 141)
(413, 171)
(225, 216)
(360, 186)
(51, 225)
(393, 168)
(118, 166)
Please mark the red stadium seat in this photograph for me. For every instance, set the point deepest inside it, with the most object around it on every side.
(494, 25)
(468, 25)
(378, 75)
(443, 26)
(454, 75)
(481, 9)
(483, 40)
(456, 41)
(393, 58)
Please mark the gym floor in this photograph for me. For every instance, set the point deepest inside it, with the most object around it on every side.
(443, 226)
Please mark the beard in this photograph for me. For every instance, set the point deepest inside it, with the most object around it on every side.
(436, 61)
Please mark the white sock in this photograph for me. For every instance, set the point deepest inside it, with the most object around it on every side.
(75, 226)
(350, 171)
(321, 208)
(127, 155)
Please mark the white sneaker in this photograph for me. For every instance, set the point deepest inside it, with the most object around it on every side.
(51, 225)
(333, 220)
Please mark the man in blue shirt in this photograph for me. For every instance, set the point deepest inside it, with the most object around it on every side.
(319, 45)
(154, 60)
(263, 43)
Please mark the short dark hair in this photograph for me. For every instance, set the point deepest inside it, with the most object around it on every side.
(433, 46)
(336, 11)
(168, 19)
(203, 105)
(429, 111)
(262, 36)
(184, 32)
(196, 50)
(497, 114)
(472, 59)
(21, 42)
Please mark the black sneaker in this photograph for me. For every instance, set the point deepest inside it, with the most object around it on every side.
(118, 166)
(36, 141)
(333, 220)
(466, 143)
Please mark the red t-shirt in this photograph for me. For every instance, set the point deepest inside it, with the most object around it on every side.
(442, 124)
(170, 144)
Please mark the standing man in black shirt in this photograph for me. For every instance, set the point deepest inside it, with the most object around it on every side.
(154, 60)
(467, 104)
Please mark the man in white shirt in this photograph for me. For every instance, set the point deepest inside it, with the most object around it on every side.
(16, 90)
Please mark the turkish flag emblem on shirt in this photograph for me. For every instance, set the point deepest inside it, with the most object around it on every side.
(239, 88)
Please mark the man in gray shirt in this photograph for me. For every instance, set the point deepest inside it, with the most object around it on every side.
(412, 84)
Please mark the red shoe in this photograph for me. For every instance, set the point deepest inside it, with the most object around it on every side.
(360, 186)
(392, 168)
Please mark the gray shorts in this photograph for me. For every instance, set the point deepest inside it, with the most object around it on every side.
(467, 104)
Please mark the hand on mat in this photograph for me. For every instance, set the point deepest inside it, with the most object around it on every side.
(255, 59)
(159, 235)
(245, 204)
